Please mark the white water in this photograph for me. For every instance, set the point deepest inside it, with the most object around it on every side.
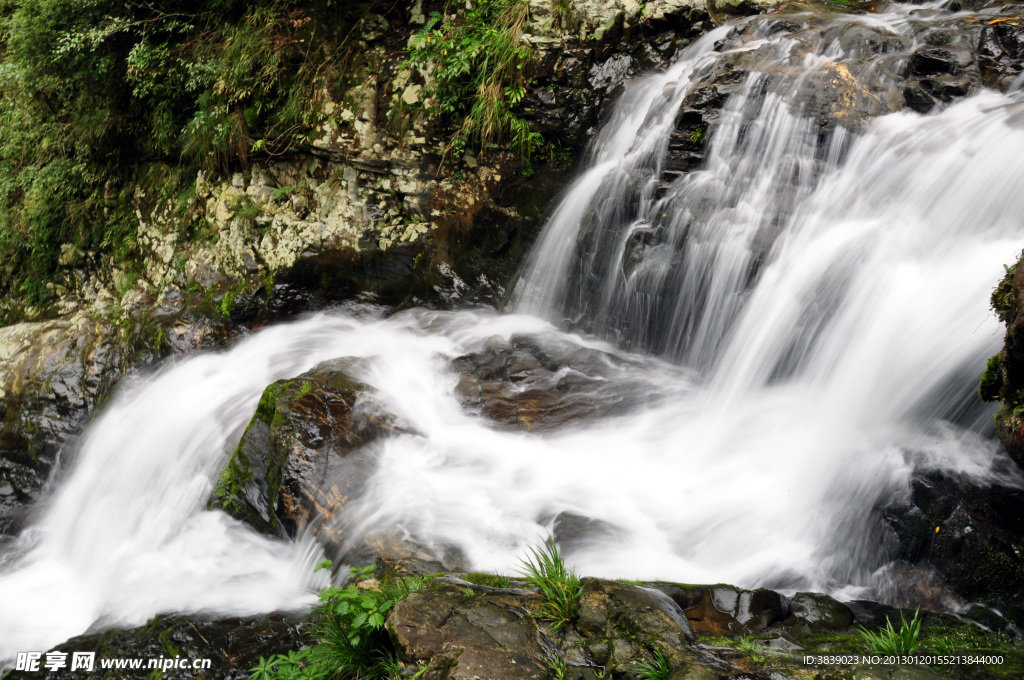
(789, 404)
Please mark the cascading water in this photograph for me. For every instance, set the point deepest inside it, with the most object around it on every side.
(796, 325)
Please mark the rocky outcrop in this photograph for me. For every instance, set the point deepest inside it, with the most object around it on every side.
(52, 373)
(971, 534)
(458, 629)
(362, 210)
(1004, 377)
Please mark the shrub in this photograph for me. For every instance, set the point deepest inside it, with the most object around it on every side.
(478, 72)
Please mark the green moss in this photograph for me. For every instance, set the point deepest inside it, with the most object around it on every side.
(842, 643)
(305, 388)
(489, 580)
(165, 640)
(991, 380)
(716, 641)
(229, 494)
(1002, 297)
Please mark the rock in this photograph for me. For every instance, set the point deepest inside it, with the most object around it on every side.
(52, 373)
(306, 453)
(725, 610)
(633, 622)
(464, 633)
(572, 531)
(819, 611)
(536, 384)
(460, 630)
(972, 533)
(1000, 53)
(232, 646)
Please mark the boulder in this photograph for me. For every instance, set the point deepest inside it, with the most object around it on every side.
(306, 453)
(461, 631)
(971, 533)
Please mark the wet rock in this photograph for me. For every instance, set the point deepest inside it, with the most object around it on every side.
(710, 610)
(872, 614)
(819, 611)
(972, 533)
(726, 610)
(948, 60)
(637, 620)
(232, 646)
(52, 373)
(759, 609)
(1001, 51)
(306, 454)
(536, 384)
(699, 111)
(572, 531)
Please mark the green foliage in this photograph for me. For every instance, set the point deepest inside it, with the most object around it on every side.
(490, 580)
(1002, 297)
(657, 669)
(991, 380)
(295, 665)
(90, 88)
(890, 640)
(246, 211)
(716, 641)
(559, 587)
(478, 72)
(748, 645)
(349, 630)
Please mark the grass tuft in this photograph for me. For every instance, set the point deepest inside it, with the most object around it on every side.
(559, 587)
(656, 669)
(890, 640)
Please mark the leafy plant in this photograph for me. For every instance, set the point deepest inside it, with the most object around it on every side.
(295, 665)
(890, 640)
(478, 70)
(349, 630)
(656, 669)
(944, 646)
(559, 587)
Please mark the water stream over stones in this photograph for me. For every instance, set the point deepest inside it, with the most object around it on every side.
(767, 293)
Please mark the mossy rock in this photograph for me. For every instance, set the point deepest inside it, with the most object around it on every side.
(306, 453)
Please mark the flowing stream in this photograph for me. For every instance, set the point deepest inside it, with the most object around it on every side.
(797, 324)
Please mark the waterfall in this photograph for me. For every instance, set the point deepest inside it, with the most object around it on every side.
(795, 324)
